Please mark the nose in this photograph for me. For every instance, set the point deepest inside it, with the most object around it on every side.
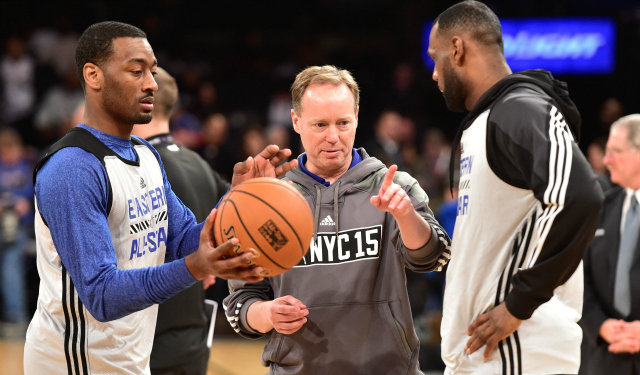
(332, 134)
(607, 159)
(150, 84)
(434, 75)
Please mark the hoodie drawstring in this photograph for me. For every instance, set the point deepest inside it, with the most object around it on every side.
(336, 214)
(316, 215)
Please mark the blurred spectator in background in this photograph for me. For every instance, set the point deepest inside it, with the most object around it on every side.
(17, 70)
(186, 128)
(254, 140)
(432, 166)
(16, 203)
(406, 94)
(57, 107)
(206, 100)
(279, 109)
(611, 311)
(216, 149)
(385, 146)
(595, 156)
(279, 135)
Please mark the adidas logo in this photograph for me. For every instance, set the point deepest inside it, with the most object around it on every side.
(327, 221)
(142, 185)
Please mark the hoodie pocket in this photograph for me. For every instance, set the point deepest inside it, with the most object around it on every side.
(358, 338)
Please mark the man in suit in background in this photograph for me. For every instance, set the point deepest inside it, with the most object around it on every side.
(180, 342)
(611, 314)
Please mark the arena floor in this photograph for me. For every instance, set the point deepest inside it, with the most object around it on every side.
(229, 356)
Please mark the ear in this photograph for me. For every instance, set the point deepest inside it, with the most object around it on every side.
(457, 50)
(93, 76)
(296, 121)
(357, 111)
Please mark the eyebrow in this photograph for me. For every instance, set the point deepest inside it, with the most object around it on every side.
(142, 61)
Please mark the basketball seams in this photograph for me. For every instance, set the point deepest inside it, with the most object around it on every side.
(275, 182)
(279, 214)
(275, 196)
(250, 236)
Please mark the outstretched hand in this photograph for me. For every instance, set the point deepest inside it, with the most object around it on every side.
(391, 197)
(210, 260)
(265, 164)
(489, 328)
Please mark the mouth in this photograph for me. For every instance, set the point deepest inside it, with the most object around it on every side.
(147, 103)
(331, 153)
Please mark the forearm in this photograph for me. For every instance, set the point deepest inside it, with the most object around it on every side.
(256, 317)
(119, 293)
(415, 231)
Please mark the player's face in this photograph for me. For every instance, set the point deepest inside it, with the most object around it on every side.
(327, 125)
(448, 80)
(622, 159)
(128, 81)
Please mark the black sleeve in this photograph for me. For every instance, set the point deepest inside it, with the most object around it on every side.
(241, 296)
(530, 146)
(593, 315)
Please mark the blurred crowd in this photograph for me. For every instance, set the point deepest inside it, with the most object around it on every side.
(227, 112)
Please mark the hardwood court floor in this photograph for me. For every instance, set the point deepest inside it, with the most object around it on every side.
(229, 356)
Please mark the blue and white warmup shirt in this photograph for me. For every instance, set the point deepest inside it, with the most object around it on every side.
(105, 217)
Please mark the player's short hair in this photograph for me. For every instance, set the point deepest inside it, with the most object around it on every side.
(632, 124)
(166, 97)
(321, 75)
(96, 43)
(473, 17)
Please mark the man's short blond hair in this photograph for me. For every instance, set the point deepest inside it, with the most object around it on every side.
(632, 124)
(321, 75)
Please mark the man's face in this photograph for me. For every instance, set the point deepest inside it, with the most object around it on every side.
(327, 126)
(448, 80)
(622, 159)
(128, 81)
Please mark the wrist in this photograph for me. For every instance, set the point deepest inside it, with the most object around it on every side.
(192, 266)
(258, 317)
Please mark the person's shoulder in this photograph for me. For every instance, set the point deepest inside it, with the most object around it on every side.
(520, 102)
(613, 193)
(71, 157)
(70, 165)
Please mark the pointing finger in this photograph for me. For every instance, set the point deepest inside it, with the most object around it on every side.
(388, 177)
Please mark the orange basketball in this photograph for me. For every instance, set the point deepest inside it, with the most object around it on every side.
(271, 219)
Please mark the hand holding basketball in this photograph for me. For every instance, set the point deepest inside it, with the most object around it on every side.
(265, 164)
(210, 260)
(392, 198)
(272, 220)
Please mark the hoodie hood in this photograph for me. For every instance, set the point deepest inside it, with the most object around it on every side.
(537, 79)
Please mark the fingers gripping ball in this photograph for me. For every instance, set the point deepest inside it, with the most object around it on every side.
(271, 219)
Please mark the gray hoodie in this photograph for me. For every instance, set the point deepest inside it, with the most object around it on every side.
(352, 281)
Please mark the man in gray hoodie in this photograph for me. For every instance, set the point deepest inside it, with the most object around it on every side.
(344, 308)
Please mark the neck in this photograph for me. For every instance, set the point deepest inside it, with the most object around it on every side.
(99, 119)
(495, 71)
(330, 176)
(158, 125)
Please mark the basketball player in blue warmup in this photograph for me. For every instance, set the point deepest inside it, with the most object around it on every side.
(106, 217)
